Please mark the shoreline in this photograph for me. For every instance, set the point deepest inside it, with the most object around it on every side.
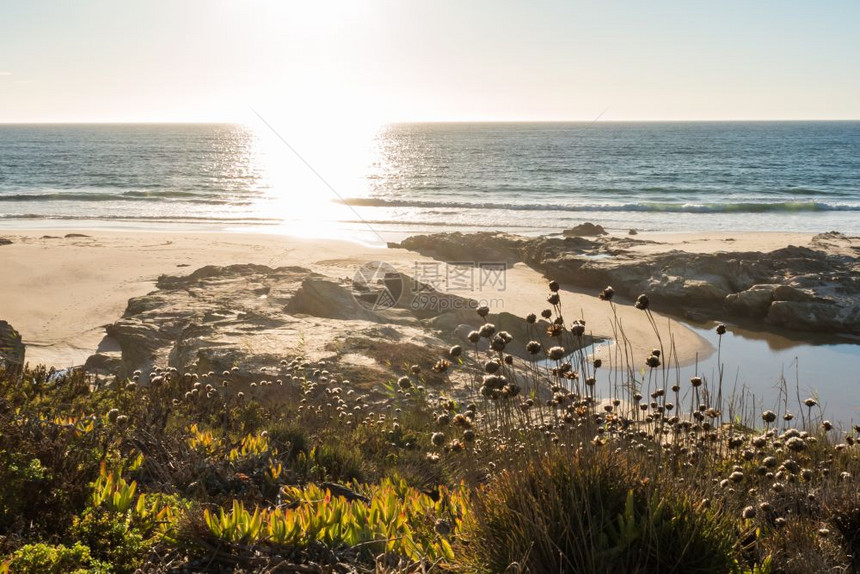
(77, 281)
(376, 233)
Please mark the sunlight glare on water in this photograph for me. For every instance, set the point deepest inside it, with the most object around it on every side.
(305, 173)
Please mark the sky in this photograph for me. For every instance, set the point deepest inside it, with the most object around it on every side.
(374, 61)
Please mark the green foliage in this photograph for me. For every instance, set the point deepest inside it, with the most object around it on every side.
(46, 465)
(113, 537)
(19, 475)
(397, 519)
(47, 559)
(291, 438)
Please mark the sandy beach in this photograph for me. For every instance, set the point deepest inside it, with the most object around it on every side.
(61, 287)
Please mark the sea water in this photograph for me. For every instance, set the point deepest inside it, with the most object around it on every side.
(523, 177)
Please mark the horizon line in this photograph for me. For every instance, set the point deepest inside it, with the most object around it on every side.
(419, 121)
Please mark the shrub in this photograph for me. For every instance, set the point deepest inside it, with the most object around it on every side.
(47, 559)
(19, 475)
(112, 537)
(577, 512)
(46, 466)
(331, 462)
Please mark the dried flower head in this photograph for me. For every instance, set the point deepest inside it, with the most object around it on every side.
(498, 343)
(492, 366)
(487, 330)
(555, 330)
(442, 527)
(607, 294)
(642, 302)
(441, 366)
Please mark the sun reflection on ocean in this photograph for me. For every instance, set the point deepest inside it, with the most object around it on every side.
(305, 173)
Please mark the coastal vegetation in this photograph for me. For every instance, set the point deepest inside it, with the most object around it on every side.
(557, 462)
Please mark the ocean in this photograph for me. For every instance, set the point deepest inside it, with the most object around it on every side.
(521, 177)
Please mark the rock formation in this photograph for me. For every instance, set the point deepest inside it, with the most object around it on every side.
(814, 288)
(252, 316)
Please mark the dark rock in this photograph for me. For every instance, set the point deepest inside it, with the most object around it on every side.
(753, 302)
(823, 287)
(482, 247)
(789, 293)
(104, 363)
(822, 315)
(4, 241)
(585, 230)
(74, 235)
(12, 349)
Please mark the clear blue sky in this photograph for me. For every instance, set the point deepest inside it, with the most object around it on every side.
(203, 60)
